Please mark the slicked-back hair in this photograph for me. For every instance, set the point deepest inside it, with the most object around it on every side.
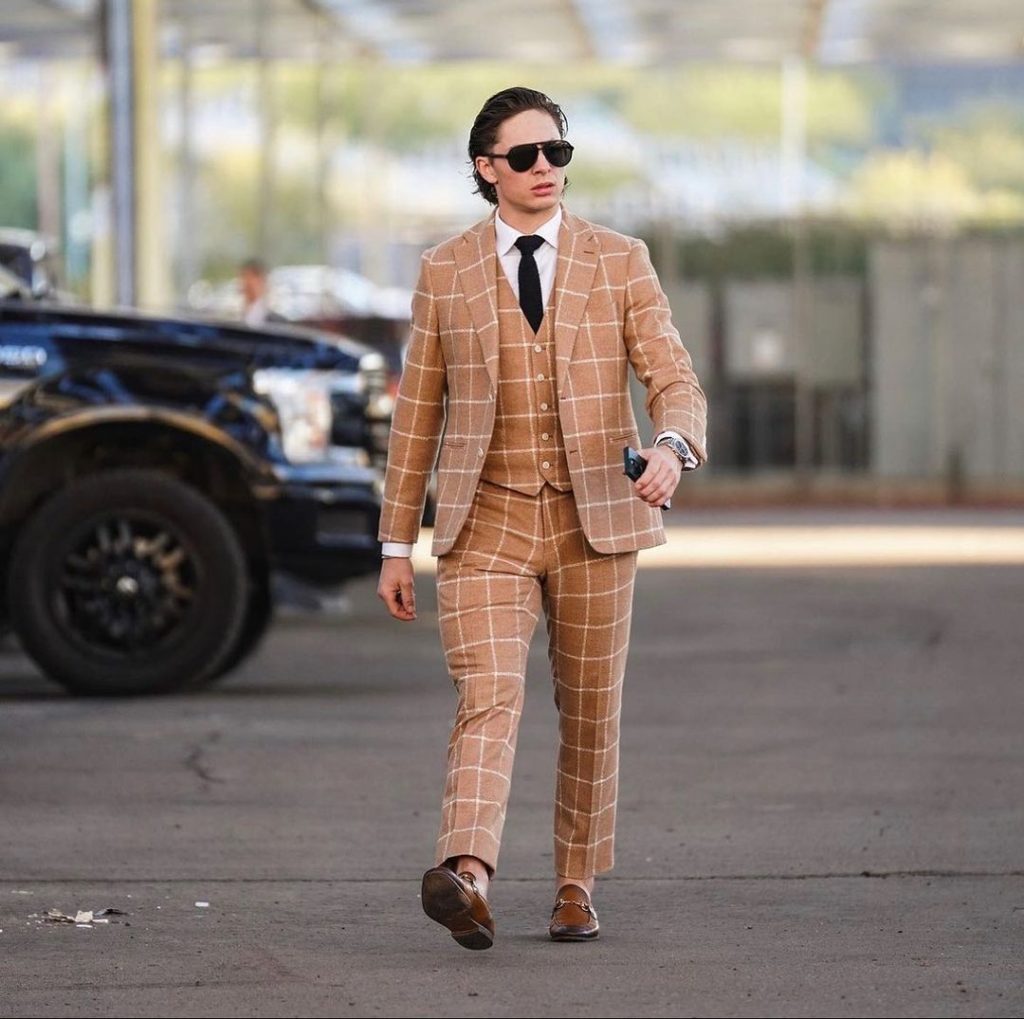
(502, 105)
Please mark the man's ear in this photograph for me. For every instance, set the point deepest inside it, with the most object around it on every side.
(486, 170)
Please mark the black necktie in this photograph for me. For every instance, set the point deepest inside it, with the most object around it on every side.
(529, 280)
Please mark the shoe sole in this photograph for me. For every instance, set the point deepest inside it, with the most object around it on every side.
(574, 937)
(446, 902)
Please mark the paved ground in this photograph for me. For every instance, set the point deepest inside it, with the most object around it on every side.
(820, 813)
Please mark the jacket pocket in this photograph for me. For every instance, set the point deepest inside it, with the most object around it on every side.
(454, 441)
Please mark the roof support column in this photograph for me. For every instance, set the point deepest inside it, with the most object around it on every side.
(132, 59)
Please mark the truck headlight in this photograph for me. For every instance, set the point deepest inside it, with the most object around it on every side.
(302, 399)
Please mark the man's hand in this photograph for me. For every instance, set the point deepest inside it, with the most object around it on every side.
(661, 476)
(396, 588)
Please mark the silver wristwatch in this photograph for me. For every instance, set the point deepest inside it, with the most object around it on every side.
(681, 448)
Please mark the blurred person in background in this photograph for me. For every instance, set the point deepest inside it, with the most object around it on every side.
(252, 281)
(523, 331)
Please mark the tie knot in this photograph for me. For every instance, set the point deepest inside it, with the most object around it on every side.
(529, 243)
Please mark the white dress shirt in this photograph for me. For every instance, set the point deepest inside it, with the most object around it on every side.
(256, 313)
(546, 257)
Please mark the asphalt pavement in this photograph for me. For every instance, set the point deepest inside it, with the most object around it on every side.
(820, 805)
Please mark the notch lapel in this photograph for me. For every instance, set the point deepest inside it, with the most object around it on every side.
(578, 252)
(475, 262)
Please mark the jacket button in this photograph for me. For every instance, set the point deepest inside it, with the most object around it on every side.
(545, 464)
(543, 406)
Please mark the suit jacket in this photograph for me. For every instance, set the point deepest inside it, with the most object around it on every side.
(610, 313)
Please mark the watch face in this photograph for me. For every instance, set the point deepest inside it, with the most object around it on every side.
(682, 450)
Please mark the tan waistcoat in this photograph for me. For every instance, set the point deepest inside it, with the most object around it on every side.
(527, 447)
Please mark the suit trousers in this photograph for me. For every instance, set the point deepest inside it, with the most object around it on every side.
(516, 554)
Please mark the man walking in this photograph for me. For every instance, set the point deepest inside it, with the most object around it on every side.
(523, 331)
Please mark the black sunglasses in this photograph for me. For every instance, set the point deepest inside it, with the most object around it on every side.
(522, 157)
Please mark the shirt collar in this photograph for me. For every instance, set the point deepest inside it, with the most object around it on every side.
(506, 236)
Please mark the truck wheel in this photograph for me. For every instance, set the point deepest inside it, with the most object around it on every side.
(128, 582)
(258, 618)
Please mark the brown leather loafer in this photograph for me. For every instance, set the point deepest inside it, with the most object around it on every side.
(454, 901)
(573, 917)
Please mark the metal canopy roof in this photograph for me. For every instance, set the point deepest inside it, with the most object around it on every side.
(640, 32)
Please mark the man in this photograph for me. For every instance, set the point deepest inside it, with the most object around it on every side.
(252, 280)
(523, 331)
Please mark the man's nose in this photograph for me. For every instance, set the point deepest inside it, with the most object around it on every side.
(542, 165)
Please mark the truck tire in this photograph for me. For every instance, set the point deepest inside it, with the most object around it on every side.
(128, 582)
(258, 619)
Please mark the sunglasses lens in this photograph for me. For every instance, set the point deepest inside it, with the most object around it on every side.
(558, 153)
(522, 157)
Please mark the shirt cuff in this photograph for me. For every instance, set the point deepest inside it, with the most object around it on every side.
(675, 435)
(396, 548)
(668, 431)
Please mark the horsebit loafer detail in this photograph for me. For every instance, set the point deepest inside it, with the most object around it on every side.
(454, 901)
(573, 917)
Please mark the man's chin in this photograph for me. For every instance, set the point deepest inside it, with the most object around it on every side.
(541, 203)
(535, 204)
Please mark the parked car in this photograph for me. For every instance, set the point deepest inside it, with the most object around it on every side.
(32, 257)
(156, 472)
(308, 292)
(327, 298)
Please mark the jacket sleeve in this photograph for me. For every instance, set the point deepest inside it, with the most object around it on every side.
(417, 421)
(675, 399)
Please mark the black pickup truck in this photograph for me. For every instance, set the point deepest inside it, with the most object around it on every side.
(155, 472)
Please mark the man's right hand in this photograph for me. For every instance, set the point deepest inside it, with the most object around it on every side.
(396, 587)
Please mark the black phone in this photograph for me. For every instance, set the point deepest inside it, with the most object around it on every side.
(634, 465)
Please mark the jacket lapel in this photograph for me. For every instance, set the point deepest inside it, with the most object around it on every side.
(475, 262)
(574, 277)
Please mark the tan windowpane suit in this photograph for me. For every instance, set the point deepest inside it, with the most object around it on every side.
(533, 510)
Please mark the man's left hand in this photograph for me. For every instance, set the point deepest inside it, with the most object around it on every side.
(661, 476)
